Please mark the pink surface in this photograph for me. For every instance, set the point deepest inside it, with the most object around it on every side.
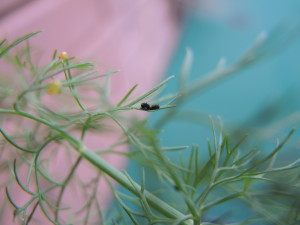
(135, 36)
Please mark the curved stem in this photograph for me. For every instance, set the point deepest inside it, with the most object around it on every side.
(105, 167)
(64, 186)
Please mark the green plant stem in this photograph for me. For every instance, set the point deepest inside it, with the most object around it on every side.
(93, 198)
(218, 74)
(197, 86)
(155, 202)
(68, 77)
(32, 212)
(70, 175)
(105, 167)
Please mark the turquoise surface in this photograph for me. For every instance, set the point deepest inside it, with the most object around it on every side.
(270, 86)
(272, 81)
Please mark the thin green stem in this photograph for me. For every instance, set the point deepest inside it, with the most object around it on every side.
(93, 198)
(32, 212)
(155, 202)
(67, 180)
(68, 76)
(105, 167)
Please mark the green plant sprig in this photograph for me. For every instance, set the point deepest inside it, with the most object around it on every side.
(102, 164)
(193, 183)
(263, 46)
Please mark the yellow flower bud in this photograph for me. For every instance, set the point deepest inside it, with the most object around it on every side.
(63, 55)
(54, 87)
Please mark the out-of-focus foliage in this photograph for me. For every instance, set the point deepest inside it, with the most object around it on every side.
(191, 187)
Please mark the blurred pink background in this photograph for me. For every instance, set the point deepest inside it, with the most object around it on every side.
(135, 36)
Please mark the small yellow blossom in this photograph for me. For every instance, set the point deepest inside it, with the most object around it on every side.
(54, 87)
(63, 55)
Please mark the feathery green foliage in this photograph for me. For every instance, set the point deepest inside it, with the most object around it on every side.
(191, 188)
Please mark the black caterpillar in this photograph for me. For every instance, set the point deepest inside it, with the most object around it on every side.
(154, 107)
(146, 107)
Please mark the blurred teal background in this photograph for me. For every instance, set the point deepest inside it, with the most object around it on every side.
(229, 33)
(260, 95)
